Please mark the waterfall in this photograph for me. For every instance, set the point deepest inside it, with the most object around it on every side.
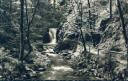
(52, 33)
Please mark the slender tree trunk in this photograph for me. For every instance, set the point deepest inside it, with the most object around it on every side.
(29, 22)
(81, 15)
(54, 3)
(10, 6)
(81, 25)
(21, 30)
(89, 13)
(28, 29)
(123, 26)
(10, 9)
(90, 25)
(110, 1)
(0, 3)
(26, 9)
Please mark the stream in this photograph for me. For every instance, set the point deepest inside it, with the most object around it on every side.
(59, 69)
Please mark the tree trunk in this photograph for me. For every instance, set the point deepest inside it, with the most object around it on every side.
(28, 29)
(0, 3)
(110, 8)
(81, 15)
(29, 22)
(10, 9)
(89, 13)
(10, 6)
(21, 30)
(90, 25)
(123, 26)
(54, 3)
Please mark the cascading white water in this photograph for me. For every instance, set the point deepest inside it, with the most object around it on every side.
(59, 68)
(53, 40)
(52, 33)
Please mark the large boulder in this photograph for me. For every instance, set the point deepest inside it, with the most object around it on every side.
(93, 37)
(72, 35)
(65, 45)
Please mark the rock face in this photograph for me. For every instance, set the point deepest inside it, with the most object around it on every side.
(65, 45)
(103, 24)
(60, 34)
(72, 35)
(96, 38)
(93, 37)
